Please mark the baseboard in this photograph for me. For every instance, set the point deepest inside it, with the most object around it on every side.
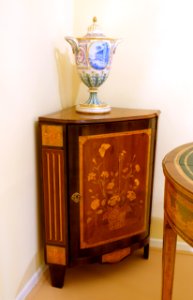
(156, 243)
(31, 283)
(181, 246)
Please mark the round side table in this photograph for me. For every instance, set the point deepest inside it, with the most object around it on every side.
(178, 209)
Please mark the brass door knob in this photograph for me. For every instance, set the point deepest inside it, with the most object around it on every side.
(75, 197)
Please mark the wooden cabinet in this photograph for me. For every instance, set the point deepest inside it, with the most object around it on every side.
(97, 177)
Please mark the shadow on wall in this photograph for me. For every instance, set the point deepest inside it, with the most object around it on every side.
(68, 79)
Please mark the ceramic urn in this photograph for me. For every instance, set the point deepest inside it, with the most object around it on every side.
(93, 56)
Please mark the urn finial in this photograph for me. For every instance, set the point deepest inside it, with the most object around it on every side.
(94, 29)
(94, 19)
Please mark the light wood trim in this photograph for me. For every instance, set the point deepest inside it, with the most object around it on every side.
(56, 255)
(60, 197)
(49, 196)
(52, 135)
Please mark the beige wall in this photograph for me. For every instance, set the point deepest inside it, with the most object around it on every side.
(32, 53)
(152, 68)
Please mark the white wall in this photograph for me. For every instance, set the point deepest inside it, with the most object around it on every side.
(32, 53)
(152, 67)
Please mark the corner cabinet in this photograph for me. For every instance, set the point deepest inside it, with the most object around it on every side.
(96, 178)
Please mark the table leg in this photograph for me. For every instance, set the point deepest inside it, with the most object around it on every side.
(168, 260)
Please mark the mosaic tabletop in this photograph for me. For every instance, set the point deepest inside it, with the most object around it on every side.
(185, 161)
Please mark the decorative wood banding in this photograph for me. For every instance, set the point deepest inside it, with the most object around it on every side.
(53, 187)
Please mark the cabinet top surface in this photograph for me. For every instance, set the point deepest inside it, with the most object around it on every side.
(69, 115)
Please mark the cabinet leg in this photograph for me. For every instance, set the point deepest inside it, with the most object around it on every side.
(146, 251)
(57, 274)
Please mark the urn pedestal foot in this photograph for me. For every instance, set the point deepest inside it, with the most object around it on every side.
(93, 109)
(93, 105)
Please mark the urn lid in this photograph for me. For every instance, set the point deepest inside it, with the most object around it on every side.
(94, 30)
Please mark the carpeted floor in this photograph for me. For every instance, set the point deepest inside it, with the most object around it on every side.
(131, 279)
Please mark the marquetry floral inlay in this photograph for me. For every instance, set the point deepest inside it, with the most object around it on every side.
(113, 190)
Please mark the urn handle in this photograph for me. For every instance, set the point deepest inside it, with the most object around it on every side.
(117, 42)
(73, 43)
(75, 197)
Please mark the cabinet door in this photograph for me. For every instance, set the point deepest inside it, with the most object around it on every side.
(110, 185)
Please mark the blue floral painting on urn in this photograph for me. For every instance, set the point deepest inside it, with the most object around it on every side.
(93, 55)
(99, 54)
